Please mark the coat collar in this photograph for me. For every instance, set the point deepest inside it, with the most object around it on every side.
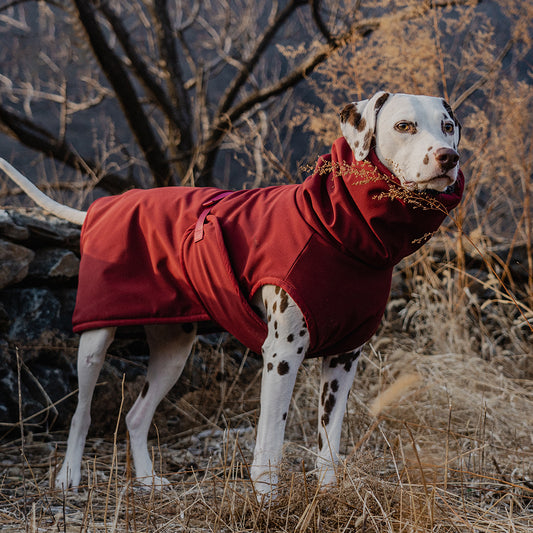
(361, 207)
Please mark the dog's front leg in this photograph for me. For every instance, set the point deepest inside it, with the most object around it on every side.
(338, 373)
(91, 354)
(283, 351)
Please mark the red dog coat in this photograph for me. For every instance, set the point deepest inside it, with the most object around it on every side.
(182, 254)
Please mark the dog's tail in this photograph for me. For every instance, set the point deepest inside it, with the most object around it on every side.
(59, 210)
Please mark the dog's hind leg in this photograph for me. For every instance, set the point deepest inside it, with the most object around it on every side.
(170, 346)
(338, 373)
(91, 354)
(283, 351)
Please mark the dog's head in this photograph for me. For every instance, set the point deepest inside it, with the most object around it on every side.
(415, 137)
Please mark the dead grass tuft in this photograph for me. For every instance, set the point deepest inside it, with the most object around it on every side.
(437, 442)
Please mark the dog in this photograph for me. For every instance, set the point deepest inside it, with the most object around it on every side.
(351, 225)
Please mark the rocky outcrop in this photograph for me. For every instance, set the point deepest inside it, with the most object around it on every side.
(39, 260)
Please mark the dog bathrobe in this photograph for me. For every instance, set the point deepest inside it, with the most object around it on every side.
(183, 254)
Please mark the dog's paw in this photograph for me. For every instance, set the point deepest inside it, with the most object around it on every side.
(265, 484)
(67, 478)
(153, 482)
(327, 477)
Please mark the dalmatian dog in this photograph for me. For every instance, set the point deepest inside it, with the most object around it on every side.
(416, 138)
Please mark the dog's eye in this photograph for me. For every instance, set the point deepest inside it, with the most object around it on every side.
(448, 128)
(405, 127)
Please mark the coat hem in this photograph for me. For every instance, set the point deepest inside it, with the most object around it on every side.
(118, 322)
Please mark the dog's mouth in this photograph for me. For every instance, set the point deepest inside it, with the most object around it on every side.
(435, 185)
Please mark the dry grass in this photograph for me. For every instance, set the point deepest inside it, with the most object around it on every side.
(438, 442)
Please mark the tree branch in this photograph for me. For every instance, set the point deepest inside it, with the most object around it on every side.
(139, 66)
(292, 79)
(320, 24)
(460, 100)
(167, 49)
(262, 43)
(37, 138)
(126, 95)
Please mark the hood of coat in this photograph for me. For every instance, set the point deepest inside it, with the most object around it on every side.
(361, 207)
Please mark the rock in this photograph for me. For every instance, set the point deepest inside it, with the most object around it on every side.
(33, 311)
(54, 264)
(10, 230)
(14, 262)
(4, 319)
(46, 230)
(47, 374)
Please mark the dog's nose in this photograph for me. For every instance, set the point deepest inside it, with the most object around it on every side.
(447, 158)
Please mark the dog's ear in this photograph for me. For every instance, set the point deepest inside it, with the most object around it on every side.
(450, 112)
(358, 123)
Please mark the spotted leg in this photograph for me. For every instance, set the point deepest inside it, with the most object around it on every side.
(170, 346)
(91, 354)
(283, 351)
(337, 377)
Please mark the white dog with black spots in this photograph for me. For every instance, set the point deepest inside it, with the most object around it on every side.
(416, 138)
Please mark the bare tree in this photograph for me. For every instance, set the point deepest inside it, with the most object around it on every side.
(167, 79)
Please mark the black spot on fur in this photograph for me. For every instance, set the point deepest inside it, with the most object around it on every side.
(302, 332)
(283, 368)
(320, 443)
(367, 141)
(300, 350)
(145, 389)
(284, 416)
(270, 366)
(381, 100)
(350, 115)
(324, 393)
(325, 419)
(284, 303)
(290, 338)
(334, 385)
(449, 110)
(345, 360)
(330, 404)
